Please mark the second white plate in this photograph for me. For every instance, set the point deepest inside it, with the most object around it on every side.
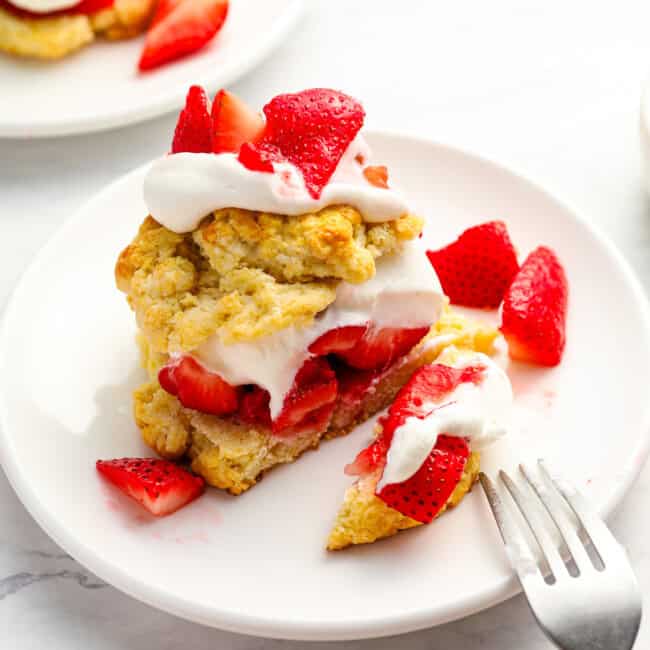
(100, 87)
(256, 563)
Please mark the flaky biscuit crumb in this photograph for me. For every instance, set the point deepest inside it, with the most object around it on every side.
(180, 300)
(332, 243)
(245, 274)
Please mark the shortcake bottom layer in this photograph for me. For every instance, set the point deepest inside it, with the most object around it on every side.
(233, 456)
(55, 37)
(364, 518)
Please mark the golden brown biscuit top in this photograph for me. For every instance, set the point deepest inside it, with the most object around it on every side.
(246, 274)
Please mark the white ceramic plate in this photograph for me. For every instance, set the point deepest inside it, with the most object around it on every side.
(99, 87)
(256, 563)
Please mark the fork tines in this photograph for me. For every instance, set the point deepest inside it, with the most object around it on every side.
(577, 551)
(576, 576)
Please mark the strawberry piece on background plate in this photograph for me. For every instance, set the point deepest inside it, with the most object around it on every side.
(311, 129)
(233, 123)
(477, 269)
(158, 485)
(180, 27)
(197, 388)
(533, 318)
(194, 127)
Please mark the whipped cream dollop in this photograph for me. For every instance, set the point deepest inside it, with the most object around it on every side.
(43, 6)
(182, 188)
(405, 293)
(478, 412)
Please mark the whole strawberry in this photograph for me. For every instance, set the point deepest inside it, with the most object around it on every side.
(478, 267)
(535, 309)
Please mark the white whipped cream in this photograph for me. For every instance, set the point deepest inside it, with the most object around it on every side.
(405, 292)
(477, 412)
(181, 189)
(43, 6)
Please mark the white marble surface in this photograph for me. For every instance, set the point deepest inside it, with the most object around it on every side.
(549, 87)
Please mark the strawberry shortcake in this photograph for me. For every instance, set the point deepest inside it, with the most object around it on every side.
(52, 29)
(283, 296)
(279, 285)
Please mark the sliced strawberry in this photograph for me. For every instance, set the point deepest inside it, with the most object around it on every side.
(478, 267)
(380, 347)
(158, 485)
(233, 123)
(180, 29)
(338, 340)
(368, 459)
(377, 176)
(254, 406)
(427, 386)
(259, 157)
(194, 127)
(308, 405)
(163, 9)
(311, 129)
(197, 388)
(314, 386)
(423, 495)
(534, 310)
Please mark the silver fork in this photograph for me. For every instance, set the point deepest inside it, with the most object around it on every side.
(581, 589)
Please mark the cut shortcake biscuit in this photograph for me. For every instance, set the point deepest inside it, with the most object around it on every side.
(331, 243)
(364, 518)
(372, 508)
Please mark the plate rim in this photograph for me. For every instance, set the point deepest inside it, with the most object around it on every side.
(167, 102)
(309, 630)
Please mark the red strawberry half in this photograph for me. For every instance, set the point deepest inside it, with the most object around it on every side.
(380, 347)
(180, 27)
(233, 123)
(307, 406)
(194, 127)
(340, 339)
(158, 485)
(197, 388)
(423, 495)
(311, 129)
(478, 267)
(427, 386)
(534, 310)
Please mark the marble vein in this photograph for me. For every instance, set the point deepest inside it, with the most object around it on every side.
(14, 583)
